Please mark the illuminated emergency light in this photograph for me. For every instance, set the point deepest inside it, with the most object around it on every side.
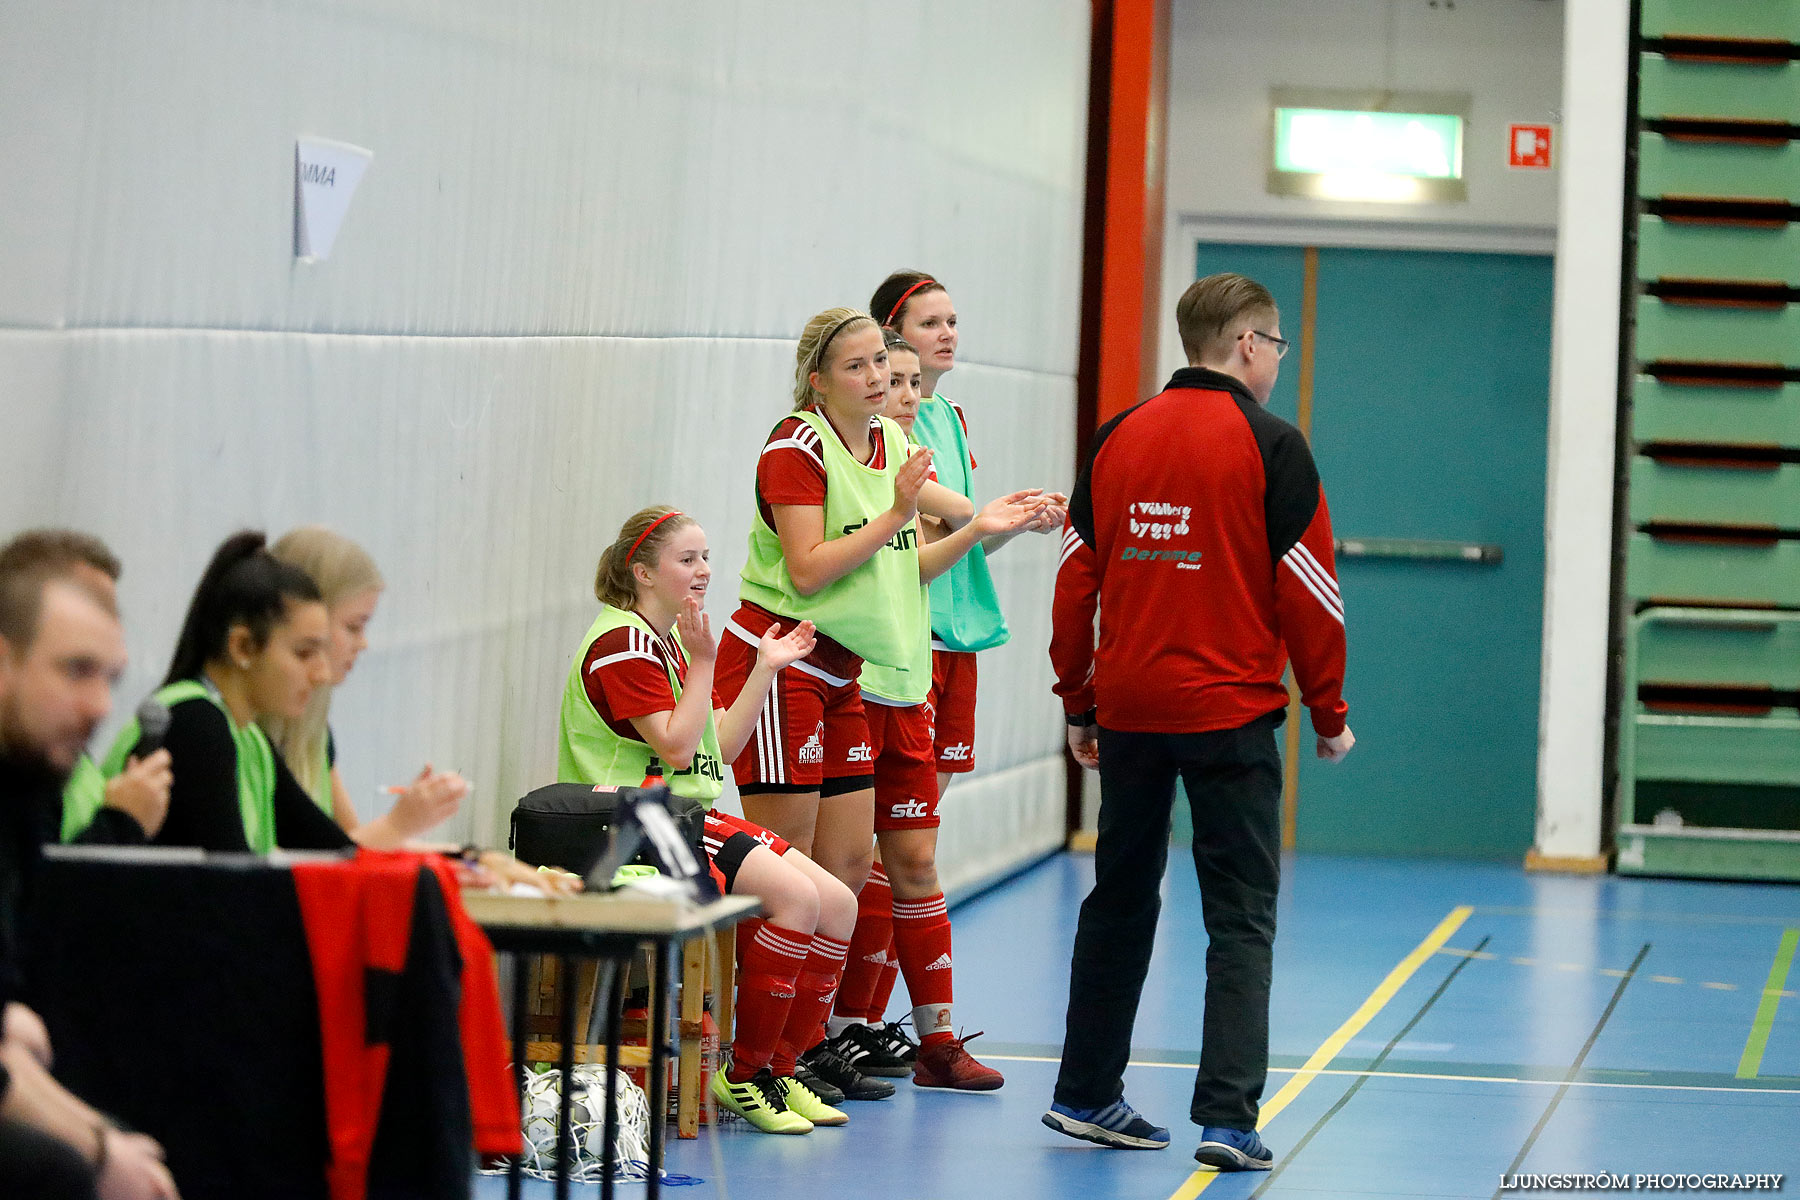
(1344, 154)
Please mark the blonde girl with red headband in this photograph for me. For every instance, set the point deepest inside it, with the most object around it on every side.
(834, 540)
(640, 695)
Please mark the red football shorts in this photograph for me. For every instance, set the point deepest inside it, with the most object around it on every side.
(728, 840)
(953, 700)
(810, 729)
(906, 790)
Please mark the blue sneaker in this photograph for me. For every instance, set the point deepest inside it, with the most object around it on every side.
(1226, 1149)
(1117, 1125)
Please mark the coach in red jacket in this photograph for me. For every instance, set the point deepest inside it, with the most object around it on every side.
(1201, 533)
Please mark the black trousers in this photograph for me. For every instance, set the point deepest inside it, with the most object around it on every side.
(36, 1166)
(1233, 782)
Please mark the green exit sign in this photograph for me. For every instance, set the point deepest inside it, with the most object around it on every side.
(1415, 145)
(1338, 145)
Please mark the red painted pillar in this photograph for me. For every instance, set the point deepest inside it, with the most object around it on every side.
(1122, 276)
(1122, 237)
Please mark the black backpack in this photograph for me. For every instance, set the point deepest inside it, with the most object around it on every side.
(566, 825)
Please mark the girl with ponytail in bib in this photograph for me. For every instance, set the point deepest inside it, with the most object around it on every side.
(834, 540)
(253, 646)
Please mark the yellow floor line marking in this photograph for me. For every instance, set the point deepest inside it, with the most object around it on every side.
(1321, 1058)
(1666, 978)
(1722, 987)
(1773, 991)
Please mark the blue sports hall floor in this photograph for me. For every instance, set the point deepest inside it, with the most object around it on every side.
(1437, 1027)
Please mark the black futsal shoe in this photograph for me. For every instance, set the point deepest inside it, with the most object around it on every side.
(866, 1051)
(833, 1070)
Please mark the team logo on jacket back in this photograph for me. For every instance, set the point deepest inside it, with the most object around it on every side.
(1176, 526)
(1158, 530)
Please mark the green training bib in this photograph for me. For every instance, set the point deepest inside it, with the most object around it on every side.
(875, 610)
(897, 684)
(588, 751)
(255, 762)
(83, 798)
(965, 611)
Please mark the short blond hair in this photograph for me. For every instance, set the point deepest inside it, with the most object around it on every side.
(1213, 312)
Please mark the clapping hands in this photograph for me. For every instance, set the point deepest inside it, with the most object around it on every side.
(777, 652)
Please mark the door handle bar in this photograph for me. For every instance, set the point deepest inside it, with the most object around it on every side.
(1420, 550)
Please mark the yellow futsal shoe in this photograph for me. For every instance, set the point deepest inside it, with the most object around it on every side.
(801, 1099)
(760, 1101)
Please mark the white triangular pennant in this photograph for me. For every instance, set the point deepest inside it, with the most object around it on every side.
(325, 177)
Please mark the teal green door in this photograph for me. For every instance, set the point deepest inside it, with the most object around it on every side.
(1429, 409)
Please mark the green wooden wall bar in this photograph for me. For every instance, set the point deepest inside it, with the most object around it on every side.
(1721, 170)
(1680, 250)
(1673, 87)
(1717, 647)
(1708, 853)
(1721, 18)
(1765, 494)
(1751, 573)
(1754, 750)
(1663, 412)
(1718, 334)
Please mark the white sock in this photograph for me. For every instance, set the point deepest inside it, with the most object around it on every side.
(835, 1024)
(931, 1018)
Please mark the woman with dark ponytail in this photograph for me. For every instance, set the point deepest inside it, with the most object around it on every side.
(253, 646)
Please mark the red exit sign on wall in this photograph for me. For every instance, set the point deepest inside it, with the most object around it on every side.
(1528, 147)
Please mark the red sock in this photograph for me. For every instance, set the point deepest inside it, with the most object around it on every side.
(877, 1007)
(765, 996)
(746, 931)
(922, 936)
(813, 990)
(868, 957)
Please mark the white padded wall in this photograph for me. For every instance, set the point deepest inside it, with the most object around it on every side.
(567, 287)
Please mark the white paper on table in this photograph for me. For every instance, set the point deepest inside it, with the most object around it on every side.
(325, 177)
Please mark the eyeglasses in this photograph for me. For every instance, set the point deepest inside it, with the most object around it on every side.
(1282, 345)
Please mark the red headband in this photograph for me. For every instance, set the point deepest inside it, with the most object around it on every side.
(895, 311)
(632, 553)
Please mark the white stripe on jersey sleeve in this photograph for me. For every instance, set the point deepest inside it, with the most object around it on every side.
(1320, 574)
(795, 444)
(621, 657)
(1325, 601)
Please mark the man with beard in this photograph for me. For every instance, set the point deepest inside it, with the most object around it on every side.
(130, 807)
(61, 649)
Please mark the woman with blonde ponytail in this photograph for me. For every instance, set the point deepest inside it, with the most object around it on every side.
(834, 541)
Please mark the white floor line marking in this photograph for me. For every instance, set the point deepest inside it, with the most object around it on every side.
(1592, 1083)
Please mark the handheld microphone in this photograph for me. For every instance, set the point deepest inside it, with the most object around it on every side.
(153, 722)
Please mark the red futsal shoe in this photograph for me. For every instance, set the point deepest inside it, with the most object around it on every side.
(946, 1064)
